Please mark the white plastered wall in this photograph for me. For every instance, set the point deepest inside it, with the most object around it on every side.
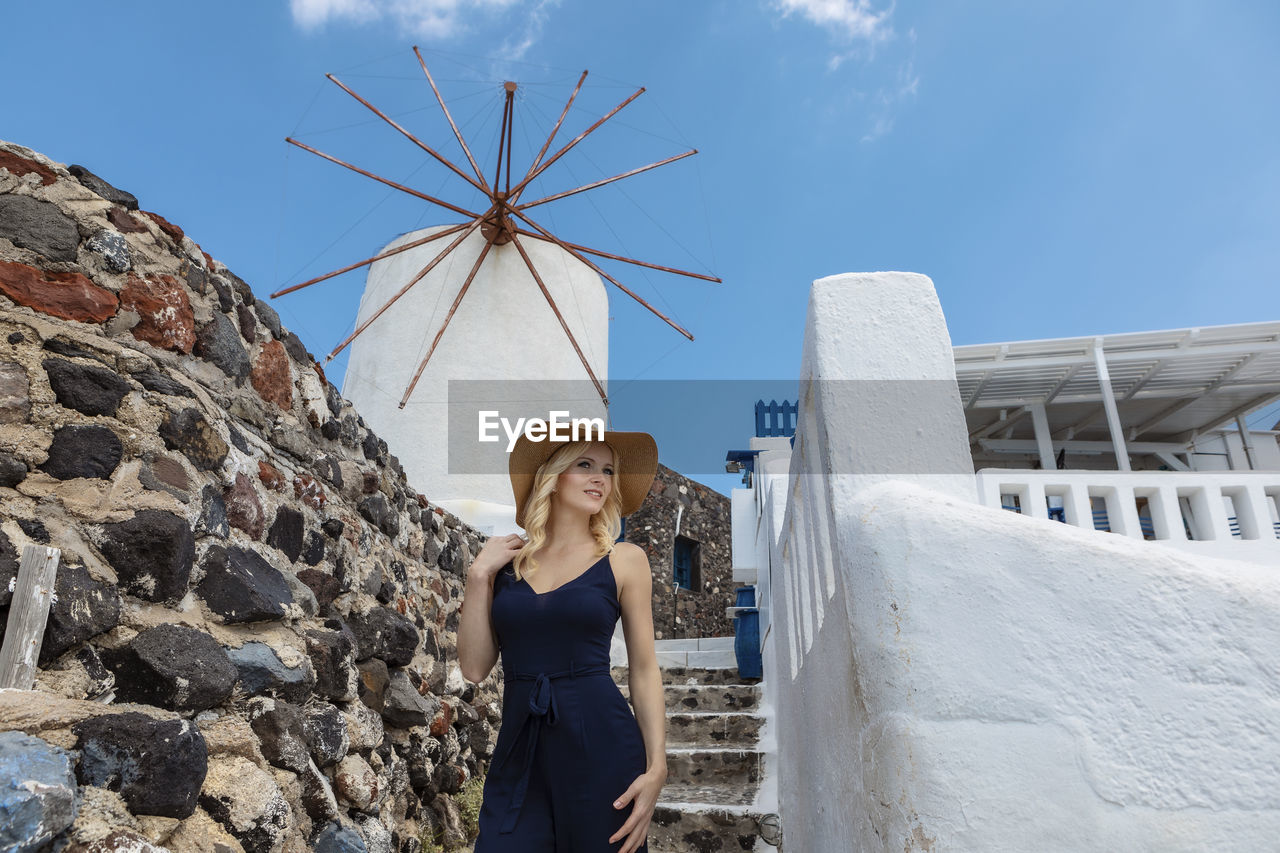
(947, 676)
(503, 329)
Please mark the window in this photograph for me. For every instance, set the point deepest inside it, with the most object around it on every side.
(687, 563)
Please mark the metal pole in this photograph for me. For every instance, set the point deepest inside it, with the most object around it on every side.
(1247, 440)
(1109, 403)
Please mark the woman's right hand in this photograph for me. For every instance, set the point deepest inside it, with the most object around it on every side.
(495, 554)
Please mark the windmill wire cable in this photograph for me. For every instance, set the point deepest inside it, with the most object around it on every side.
(314, 97)
(615, 121)
(383, 58)
(564, 266)
(644, 273)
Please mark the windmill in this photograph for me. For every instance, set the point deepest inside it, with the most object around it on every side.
(505, 219)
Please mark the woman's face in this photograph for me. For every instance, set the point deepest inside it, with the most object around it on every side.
(585, 485)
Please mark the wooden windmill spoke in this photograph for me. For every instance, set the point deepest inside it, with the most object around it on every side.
(550, 301)
(457, 133)
(581, 136)
(613, 257)
(457, 241)
(547, 235)
(555, 129)
(406, 247)
(592, 186)
(462, 210)
(475, 268)
(427, 148)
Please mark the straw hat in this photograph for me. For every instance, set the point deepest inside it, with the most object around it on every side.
(635, 464)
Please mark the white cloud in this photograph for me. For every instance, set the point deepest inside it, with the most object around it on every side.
(425, 18)
(851, 19)
(905, 86)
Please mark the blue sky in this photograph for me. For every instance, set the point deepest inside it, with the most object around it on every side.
(1056, 168)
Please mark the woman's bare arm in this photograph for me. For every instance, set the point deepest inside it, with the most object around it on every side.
(477, 639)
(643, 676)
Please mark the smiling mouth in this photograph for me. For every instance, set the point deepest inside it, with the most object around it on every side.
(594, 493)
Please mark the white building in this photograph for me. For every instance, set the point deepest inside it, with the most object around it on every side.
(1095, 671)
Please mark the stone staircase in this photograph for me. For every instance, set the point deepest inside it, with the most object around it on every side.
(714, 759)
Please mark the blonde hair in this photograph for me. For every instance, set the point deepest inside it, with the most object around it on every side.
(605, 525)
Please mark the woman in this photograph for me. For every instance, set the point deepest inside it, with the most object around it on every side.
(573, 770)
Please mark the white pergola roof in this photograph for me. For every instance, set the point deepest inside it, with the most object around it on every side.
(1168, 386)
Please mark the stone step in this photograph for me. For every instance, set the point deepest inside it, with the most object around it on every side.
(714, 766)
(688, 675)
(700, 658)
(694, 644)
(707, 697)
(698, 829)
(686, 794)
(713, 729)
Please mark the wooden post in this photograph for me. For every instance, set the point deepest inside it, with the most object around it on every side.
(28, 612)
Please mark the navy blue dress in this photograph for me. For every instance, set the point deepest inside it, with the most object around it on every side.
(569, 744)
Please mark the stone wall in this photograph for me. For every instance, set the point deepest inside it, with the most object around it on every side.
(703, 517)
(246, 576)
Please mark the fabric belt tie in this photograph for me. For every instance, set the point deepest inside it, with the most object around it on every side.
(541, 711)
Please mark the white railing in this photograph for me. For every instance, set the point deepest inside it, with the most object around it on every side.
(1221, 513)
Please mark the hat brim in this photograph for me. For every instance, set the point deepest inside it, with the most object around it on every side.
(635, 465)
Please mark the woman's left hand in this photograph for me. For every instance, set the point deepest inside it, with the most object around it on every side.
(644, 791)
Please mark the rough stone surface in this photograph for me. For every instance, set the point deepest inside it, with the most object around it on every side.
(114, 249)
(333, 660)
(374, 678)
(188, 432)
(213, 514)
(201, 393)
(13, 471)
(18, 166)
(703, 515)
(152, 554)
(172, 666)
(308, 490)
(324, 586)
(335, 838)
(161, 384)
(326, 733)
(247, 802)
(271, 376)
(86, 388)
(82, 609)
(405, 707)
(38, 226)
(261, 671)
(166, 318)
(87, 450)
(95, 184)
(278, 725)
(269, 318)
(119, 841)
(125, 222)
(240, 586)
(15, 393)
(68, 295)
(375, 510)
(355, 782)
(218, 341)
(243, 508)
(286, 533)
(8, 568)
(385, 634)
(37, 792)
(120, 752)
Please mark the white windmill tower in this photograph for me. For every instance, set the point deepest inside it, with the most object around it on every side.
(508, 348)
